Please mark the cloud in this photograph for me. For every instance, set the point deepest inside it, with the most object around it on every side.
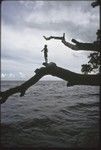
(3, 75)
(27, 21)
(22, 75)
(77, 19)
(43, 12)
(11, 75)
(7, 76)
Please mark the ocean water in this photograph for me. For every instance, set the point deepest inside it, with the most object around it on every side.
(51, 115)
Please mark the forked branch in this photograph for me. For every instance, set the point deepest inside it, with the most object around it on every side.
(95, 46)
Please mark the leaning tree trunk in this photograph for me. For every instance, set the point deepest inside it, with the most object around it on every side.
(54, 70)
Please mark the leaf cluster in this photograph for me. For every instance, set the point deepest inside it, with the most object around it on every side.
(93, 64)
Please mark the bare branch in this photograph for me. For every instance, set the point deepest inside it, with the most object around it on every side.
(95, 46)
(53, 37)
(52, 69)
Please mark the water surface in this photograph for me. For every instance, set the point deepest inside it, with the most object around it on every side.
(51, 115)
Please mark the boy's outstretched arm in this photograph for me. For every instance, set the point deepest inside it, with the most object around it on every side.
(42, 50)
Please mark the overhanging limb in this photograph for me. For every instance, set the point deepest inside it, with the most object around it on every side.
(52, 69)
(95, 46)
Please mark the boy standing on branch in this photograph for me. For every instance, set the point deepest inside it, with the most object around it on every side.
(45, 53)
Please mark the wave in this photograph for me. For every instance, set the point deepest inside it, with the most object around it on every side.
(81, 105)
(36, 122)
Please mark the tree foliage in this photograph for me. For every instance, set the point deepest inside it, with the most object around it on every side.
(93, 63)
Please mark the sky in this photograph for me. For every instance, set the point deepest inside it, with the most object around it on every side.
(23, 25)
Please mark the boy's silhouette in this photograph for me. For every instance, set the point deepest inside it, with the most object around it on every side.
(45, 53)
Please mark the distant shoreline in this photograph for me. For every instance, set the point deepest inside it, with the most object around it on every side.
(26, 80)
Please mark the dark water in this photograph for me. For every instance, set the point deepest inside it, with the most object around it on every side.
(51, 115)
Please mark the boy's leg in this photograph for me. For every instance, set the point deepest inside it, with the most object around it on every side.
(46, 59)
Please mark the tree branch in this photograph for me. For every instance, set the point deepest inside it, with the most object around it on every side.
(96, 46)
(52, 69)
(96, 3)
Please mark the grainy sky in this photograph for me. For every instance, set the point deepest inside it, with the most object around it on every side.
(23, 24)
